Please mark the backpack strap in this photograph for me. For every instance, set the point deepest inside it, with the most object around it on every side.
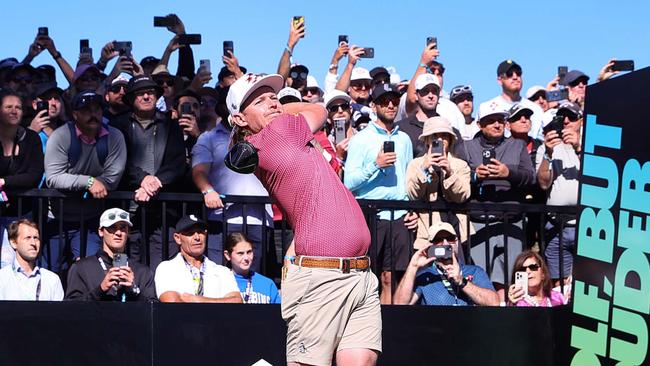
(74, 152)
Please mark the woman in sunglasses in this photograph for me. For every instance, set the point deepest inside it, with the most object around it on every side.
(539, 291)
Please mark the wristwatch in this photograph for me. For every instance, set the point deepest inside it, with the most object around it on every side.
(463, 283)
(135, 290)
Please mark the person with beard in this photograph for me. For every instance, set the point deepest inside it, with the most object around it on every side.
(116, 111)
(169, 84)
(510, 78)
(83, 155)
(155, 162)
(372, 173)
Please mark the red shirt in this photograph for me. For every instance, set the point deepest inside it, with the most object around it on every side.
(326, 218)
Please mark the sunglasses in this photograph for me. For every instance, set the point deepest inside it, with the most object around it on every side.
(449, 239)
(571, 117)
(143, 92)
(360, 85)
(121, 215)
(533, 267)
(312, 91)
(578, 82)
(116, 88)
(335, 108)
(384, 102)
(85, 102)
(490, 121)
(462, 89)
(426, 91)
(117, 226)
(298, 75)
(510, 73)
(163, 82)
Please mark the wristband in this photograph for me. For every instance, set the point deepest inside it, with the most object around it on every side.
(90, 183)
(333, 66)
(209, 190)
(424, 66)
(463, 283)
(289, 258)
(289, 50)
(57, 55)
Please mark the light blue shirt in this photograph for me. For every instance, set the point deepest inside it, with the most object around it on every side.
(365, 179)
(15, 284)
(211, 148)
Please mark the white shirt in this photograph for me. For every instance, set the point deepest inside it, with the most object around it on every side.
(174, 275)
(15, 284)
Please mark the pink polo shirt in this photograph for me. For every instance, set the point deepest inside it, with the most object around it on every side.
(102, 132)
(326, 218)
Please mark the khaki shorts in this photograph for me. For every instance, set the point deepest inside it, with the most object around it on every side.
(327, 311)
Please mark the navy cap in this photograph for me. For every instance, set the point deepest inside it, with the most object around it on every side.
(574, 75)
(85, 98)
(382, 90)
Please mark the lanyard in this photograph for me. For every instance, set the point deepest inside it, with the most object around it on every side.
(38, 288)
(103, 265)
(249, 289)
(196, 278)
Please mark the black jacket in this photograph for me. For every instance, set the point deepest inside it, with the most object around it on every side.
(86, 275)
(169, 154)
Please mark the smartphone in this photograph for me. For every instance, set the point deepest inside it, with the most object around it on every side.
(83, 43)
(437, 147)
(521, 279)
(204, 65)
(120, 260)
(188, 39)
(556, 124)
(557, 95)
(123, 47)
(297, 19)
(431, 40)
(42, 105)
(561, 72)
(186, 108)
(343, 39)
(369, 52)
(440, 252)
(166, 21)
(228, 46)
(43, 31)
(389, 146)
(623, 65)
(339, 130)
(488, 155)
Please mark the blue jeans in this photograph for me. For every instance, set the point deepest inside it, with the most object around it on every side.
(61, 250)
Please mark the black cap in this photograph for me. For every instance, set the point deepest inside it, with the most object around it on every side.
(224, 72)
(137, 83)
(378, 71)
(506, 66)
(42, 89)
(382, 90)
(8, 62)
(186, 93)
(85, 98)
(150, 60)
(188, 221)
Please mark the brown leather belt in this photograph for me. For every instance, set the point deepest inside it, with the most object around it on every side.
(343, 264)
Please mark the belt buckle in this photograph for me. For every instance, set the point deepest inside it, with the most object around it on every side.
(345, 265)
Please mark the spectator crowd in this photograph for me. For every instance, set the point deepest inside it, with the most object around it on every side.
(140, 128)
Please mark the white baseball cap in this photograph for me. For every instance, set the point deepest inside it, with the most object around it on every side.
(491, 107)
(113, 215)
(246, 85)
(336, 95)
(426, 79)
(289, 93)
(533, 90)
(359, 73)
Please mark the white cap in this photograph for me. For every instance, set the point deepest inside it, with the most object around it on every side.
(426, 79)
(359, 73)
(533, 90)
(246, 85)
(491, 107)
(113, 215)
(311, 82)
(289, 92)
(336, 95)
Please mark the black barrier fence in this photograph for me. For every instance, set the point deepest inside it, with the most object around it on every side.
(165, 208)
(141, 334)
